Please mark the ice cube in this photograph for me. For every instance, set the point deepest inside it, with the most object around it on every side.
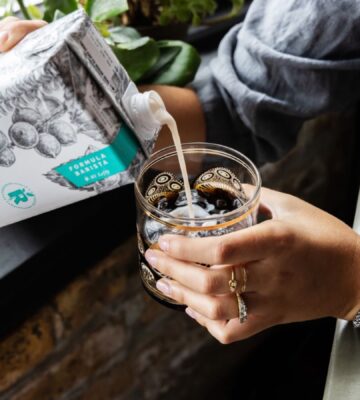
(196, 200)
(183, 212)
(163, 205)
(153, 230)
(237, 203)
(181, 200)
(221, 204)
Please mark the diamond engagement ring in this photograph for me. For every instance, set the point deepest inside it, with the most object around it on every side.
(242, 308)
(233, 284)
(356, 320)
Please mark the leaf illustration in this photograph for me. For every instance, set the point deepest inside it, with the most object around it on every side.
(55, 177)
(25, 90)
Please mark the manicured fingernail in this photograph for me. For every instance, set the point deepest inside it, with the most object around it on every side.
(151, 257)
(4, 36)
(191, 313)
(164, 287)
(164, 244)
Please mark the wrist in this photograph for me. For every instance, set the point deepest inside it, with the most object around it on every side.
(354, 274)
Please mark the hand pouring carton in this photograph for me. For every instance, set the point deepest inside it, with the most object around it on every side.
(72, 124)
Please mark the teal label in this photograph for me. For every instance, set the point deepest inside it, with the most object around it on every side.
(102, 163)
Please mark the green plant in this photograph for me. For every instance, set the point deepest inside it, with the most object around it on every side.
(164, 12)
(185, 11)
(146, 60)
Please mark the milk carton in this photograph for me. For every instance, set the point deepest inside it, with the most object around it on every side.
(72, 124)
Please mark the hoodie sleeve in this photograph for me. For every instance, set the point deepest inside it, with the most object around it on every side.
(289, 61)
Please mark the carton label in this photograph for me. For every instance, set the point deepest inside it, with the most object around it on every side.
(103, 163)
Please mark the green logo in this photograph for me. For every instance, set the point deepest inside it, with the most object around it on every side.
(18, 196)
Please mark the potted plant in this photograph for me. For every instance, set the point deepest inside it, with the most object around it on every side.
(170, 62)
(170, 19)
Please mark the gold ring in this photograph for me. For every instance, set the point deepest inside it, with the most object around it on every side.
(233, 283)
(242, 308)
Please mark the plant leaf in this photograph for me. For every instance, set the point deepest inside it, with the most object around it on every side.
(191, 11)
(167, 55)
(123, 34)
(7, 6)
(137, 56)
(35, 12)
(58, 14)
(103, 28)
(101, 10)
(237, 7)
(65, 6)
(183, 67)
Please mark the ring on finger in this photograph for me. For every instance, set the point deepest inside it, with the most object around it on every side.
(242, 308)
(233, 284)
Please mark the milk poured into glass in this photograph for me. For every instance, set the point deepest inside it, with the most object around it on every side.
(158, 108)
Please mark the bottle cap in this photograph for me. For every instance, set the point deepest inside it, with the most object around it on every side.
(145, 110)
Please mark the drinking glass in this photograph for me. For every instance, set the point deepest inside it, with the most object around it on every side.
(219, 167)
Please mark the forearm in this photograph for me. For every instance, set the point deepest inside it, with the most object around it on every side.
(184, 106)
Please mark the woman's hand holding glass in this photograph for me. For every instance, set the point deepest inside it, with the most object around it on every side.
(302, 264)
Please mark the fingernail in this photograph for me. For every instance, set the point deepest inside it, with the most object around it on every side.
(4, 36)
(164, 287)
(191, 313)
(164, 244)
(151, 257)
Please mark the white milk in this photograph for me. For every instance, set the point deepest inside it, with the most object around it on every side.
(158, 108)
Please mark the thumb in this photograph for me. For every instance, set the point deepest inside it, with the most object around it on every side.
(12, 31)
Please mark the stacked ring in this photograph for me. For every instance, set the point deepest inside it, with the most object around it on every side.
(233, 284)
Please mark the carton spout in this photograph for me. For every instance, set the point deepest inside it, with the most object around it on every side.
(146, 110)
(157, 107)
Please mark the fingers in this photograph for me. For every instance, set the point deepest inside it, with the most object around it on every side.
(6, 21)
(200, 279)
(13, 30)
(250, 244)
(227, 332)
(211, 307)
(220, 314)
(260, 318)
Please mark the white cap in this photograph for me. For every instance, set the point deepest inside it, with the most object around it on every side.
(145, 110)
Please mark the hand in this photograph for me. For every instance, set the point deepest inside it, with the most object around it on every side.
(12, 30)
(301, 265)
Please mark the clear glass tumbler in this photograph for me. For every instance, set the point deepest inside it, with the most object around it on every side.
(214, 170)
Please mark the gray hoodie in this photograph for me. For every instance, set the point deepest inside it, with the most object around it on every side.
(290, 60)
